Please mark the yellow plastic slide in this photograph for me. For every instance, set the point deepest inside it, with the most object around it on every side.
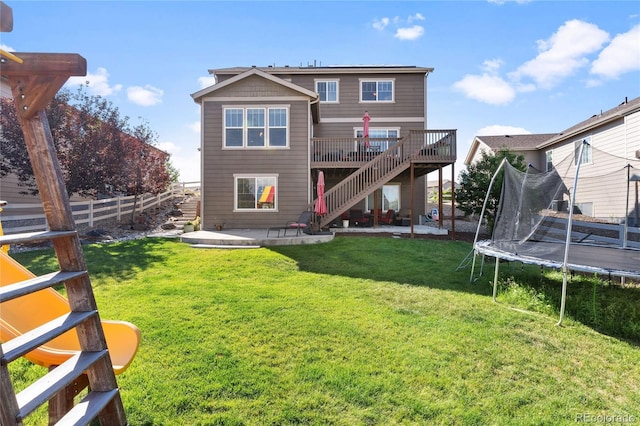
(23, 314)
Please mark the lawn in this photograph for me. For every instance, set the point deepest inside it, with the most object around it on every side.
(359, 331)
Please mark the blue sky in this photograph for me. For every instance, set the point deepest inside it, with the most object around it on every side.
(501, 67)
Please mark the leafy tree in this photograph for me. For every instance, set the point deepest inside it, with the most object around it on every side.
(98, 150)
(474, 183)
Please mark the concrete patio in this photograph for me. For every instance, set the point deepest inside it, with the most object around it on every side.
(254, 238)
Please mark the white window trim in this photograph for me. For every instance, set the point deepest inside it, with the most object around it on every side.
(237, 176)
(245, 127)
(548, 154)
(393, 90)
(575, 157)
(399, 185)
(332, 80)
(361, 129)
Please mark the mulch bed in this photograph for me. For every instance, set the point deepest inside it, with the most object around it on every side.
(459, 236)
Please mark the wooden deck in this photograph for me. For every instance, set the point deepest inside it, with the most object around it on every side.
(430, 148)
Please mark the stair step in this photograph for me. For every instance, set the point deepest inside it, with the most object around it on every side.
(29, 341)
(34, 237)
(56, 380)
(32, 285)
(87, 409)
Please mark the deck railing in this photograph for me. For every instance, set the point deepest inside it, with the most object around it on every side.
(430, 146)
(379, 167)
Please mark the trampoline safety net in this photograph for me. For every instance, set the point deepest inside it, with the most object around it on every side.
(532, 219)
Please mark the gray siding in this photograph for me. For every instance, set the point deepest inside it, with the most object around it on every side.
(253, 87)
(408, 101)
(220, 165)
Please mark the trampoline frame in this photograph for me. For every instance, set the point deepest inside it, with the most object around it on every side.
(626, 259)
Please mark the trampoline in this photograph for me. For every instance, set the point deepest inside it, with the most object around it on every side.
(612, 261)
(530, 227)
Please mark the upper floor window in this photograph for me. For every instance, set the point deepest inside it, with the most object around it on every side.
(548, 160)
(376, 91)
(255, 192)
(586, 152)
(256, 127)
(327, 90)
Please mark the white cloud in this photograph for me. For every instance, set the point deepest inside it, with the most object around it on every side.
(7, 48)
(169, 147)
(622, 55)
(498, 129)
(187, 161)
(380, 24)
(403, 30)
(98, 83)
(145, 96)
(207, 81)
(490, 89)
(417, 17)
(563, 53)
(195, 126)
(410, 33)
(492, 65)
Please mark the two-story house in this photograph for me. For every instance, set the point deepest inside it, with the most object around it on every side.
(268, 131)
(610, 161)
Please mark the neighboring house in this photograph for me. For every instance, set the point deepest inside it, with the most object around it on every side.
(267, 133)
(613, 142)
(525, 145)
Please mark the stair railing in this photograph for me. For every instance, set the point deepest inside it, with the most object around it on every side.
(417, 145)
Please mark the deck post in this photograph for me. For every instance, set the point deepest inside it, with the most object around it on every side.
(412, 197)
(453, 202)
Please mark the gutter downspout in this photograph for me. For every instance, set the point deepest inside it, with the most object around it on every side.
(425, 197)
(310, 135)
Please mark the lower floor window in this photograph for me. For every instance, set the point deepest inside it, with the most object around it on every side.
(255, 192)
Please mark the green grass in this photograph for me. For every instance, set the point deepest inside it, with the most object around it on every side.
(359, 331)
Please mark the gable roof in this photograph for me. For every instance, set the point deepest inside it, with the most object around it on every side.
(625, 108)
(253, 71)
(333, 69)
(515, 143)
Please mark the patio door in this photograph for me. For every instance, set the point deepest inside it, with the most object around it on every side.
(388, 198)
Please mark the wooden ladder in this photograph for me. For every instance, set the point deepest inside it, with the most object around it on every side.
(34, 83)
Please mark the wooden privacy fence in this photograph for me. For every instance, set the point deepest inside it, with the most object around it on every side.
(18, 218)
(611, 234)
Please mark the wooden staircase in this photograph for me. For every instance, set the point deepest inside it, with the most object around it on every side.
(415, 147)
(34, 82)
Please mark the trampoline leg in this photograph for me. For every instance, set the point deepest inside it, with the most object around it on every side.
(564, 297)
(495, 279)
(473, 267)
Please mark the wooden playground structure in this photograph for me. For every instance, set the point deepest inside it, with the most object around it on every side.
(91, 349)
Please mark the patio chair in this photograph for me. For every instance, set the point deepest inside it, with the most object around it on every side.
(389, 218)
(358, 218)
(301, 225)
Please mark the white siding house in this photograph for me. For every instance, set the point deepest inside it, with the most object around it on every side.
(610, 157)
